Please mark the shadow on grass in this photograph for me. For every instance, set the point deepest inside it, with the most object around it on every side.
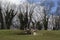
(21, 33)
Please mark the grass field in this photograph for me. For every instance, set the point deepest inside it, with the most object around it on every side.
(18, 35)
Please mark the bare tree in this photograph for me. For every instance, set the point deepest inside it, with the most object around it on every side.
(1, 18)
(9, 16)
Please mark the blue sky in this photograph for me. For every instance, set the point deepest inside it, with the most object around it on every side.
(34, 1)
(53, 9)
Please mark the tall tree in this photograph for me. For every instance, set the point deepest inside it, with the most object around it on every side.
(9, 16)
(26, 17)
(1, 18)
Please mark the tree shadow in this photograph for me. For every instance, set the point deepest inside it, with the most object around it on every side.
(21, 33)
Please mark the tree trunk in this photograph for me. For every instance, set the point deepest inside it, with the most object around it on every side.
(4, 23)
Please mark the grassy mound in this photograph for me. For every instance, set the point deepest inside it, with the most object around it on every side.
(19, 35)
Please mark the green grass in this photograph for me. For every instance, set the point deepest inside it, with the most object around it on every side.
(18, 35)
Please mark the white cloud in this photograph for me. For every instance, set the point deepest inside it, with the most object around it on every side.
(17, 2)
